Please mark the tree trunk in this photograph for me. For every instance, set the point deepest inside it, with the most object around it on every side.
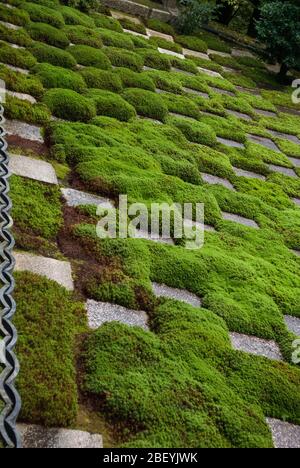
(282, 75)
(225, 12)
(252, 24)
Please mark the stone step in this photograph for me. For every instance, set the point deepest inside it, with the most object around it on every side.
(293, 324)
(76, 198)
(266, 142)
(239, 115)
(195, 224)
(195, 53)
(101, 312)
(243, 173)
(253, 91)
(34, 436)
(242, 53)
(141, 234)
(10, 25)
(231, 143)
(56, 270)
(285, 136)
(15, 69)
(32, 169)
(215, 180)
(171, 52)
(285, 435)
(185, 72)
(181, 116)
(24, 130)
(294, 161)
(239, 219)
(265, 113)
(22, 96)
(254, 345)
(162, 290)
(222, 91)
(120, 15)
(209, 72)
(218, 52)
(282, 170)
(296, 252)
(152, 33)
(296, 201)
(135, 33)
(195, 91)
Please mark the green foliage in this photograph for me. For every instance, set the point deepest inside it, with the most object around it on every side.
(181, 105)
(146, 103)
(75, 17)
(132, 26)
(52, 55)
(46, 33)
(279, 29)
(160, 26)
(16, 57)
(131, 79)
(47, 320)
(43, 14)
(111, 105)
(19, 109)
(102, 79)
(124, 58)
(192, 43)
(154, 59)
(58, 77)
(90, 57)
(19, 37)
(83, 5)
(21, 83)
(83, 35)
(69, 105)
(193, 14)
(115, 39)
(30, 198)
(164, 44)
(14, 16)
(213, 42)
(107, 22)
(196, 132)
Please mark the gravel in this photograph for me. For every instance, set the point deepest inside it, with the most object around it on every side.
(214, 180)
(76, 198)
(42, 437)
(162, 290)
(243, 173)
(32, 169)
(240, 219)
(257, 346)
(293, 324)
(266, 142)
(285, 435)
(283, 170)
(102, 312)
(231, 143)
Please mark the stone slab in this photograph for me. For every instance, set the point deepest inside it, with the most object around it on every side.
(283, 170)
(102, 312)
(15, 69)
(42, 437)
(218, 52)
(285, 136)
(141, 234)
(209, 72)
(191, 223)
(296, 201)
(239, 219)
(222, 91)
(215, 180)
(253, 91)
(32, 169)
(135, 33)
(185, 72)
(195, 53)
(52, 269)
(10, 25)
(121, 15)
(255, 345)
(24, 130)
(162, 290)
(285, 435)
(242, 53)
(239, 115)
(265, 113)
(231, 143)
(294, 161)
(293, 324)
(128, 7)
(22, 96)
(152, 33)
(266, 142)
(252, 175)
(171, 52)
(296, 252)
(195, 91)
(76, 198)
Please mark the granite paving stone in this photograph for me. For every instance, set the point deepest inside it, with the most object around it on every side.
(284, 434)
(255, 345)
(243, 173)
(24, 130)
(32, 168)
(215, 180)
(76, 198)
(162, 290)
(102, 312)
(293, 324)
(239, 219)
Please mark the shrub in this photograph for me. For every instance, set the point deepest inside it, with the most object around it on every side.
(115, 39)
(90, 57)
(146, 103)
(58, 77)
(132, 26)
(193, 14)
(164, 44)
(53, 55)
(213, 42)
(69, 105)
(124, 58)
(111, 105)
(192, 43)
(75, 17)
(106, 22)
(196, 132)
(83, 35)
(102, 79)
(154, 59)
(18, 109)
(131, 79)
(46, 33)
(48, 319)
(43, 14)
(14, 16)
(19, 37)
(21, 83)
(16, 57)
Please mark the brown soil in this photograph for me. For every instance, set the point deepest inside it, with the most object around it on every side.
(14, 141)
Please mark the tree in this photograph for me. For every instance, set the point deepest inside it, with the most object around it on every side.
(279, 29)
(193, 14)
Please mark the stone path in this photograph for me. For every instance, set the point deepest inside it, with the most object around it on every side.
(152, 33)
(255, 345)
(283, 170)
(76, 198)
(222, 91)
(215, 180)
(243, 173)
(34, 436)
(162, 290)
(171, 52)
(195, 91)
(32, 168)
(293, 324)
(102, 312)
(231, 143)
(239, 115)
(285, 136)
(249, 91)
(209, 72)
(15, 69)
(24, 130)
(266, 142)
(285, 435)
(239, 219)
(265, 113)
(22, 96)
(52, 269)
(195, 53)
(217, 52)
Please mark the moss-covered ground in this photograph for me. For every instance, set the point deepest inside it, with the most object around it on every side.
(147, 124)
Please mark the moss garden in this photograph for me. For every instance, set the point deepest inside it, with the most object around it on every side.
(154, 118)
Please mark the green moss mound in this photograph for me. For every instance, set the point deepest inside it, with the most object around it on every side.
(49, 34)
(83, 35)
(43, 14)
(52, 55)
(90, 57)
(146, 103)
(124, 58)
(69, 105)
(58, 77)
(111, 105)
(16, 57)
(101, 79)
